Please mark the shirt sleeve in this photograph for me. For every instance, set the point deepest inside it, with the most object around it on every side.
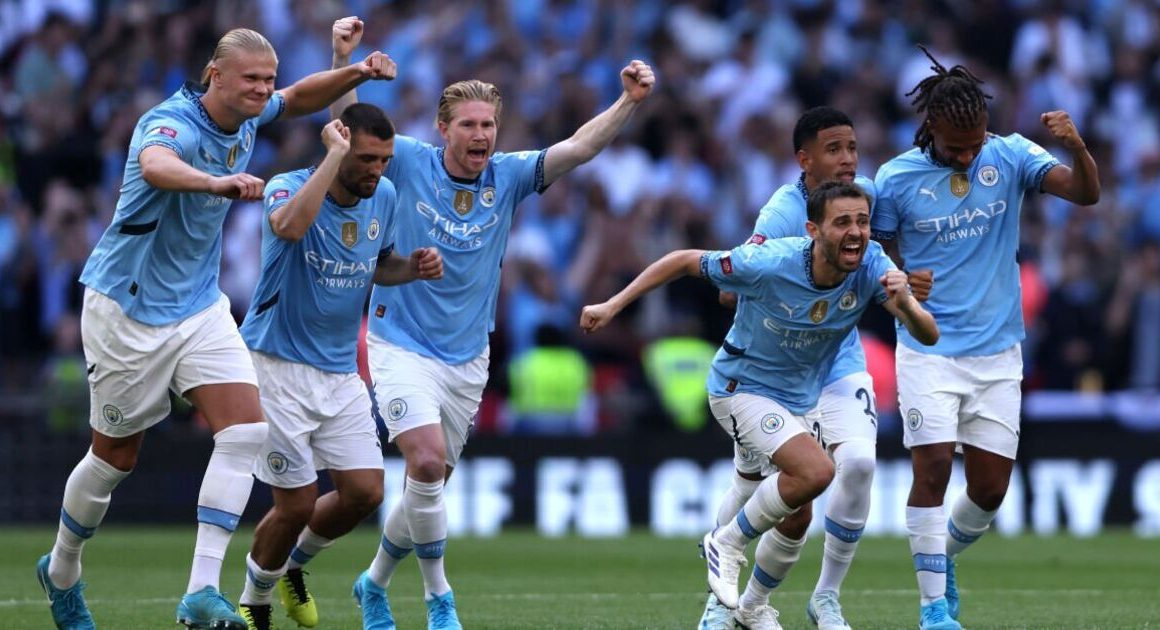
(407, 152)
(278, 192)
(739, 270)
(1033, 160)
(884, 219)
(172, 133)
(524, 170)
(389, 221)
(274, 108)
(774, 223)
(878, 264)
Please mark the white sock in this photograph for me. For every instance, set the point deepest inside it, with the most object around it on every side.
(394, 546)
(308, 546)
(86, 498)
(927, 527)
(761, 512)
(967, 523)
(775, 556)
(427, 520)
(225, 490)
(846, 511)
(738, 493)
(259, 588)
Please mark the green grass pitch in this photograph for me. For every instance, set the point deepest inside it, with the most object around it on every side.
(520, 580)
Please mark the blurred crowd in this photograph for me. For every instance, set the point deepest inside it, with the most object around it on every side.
(699, 160)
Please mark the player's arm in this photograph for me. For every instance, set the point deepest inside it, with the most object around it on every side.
(591, 138)
(1079, 183)
(902, 305)
(345, 35)
(291, 220)
(163, 169)
(324, 88)
(425, 263)
(684, 262)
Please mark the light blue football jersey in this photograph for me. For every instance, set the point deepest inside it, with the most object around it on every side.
(308, 304)
(785, 215)
(159, 258)
(965, 227)
(469, 221)
(787, 331)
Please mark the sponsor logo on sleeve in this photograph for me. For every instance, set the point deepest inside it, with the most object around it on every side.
(165, 131)
(756, 239)
(726, 264)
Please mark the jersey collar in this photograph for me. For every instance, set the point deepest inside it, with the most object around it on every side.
(194, 91)
(808, 261)
(801, 186)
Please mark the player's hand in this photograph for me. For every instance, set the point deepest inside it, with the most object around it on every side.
(345, 36)
(379, 66)
(427, 263)
(336, 137)
(638, 79)
(596, 316)
(1062, 128)
(237, 186)
(896, 287)
(921, 281)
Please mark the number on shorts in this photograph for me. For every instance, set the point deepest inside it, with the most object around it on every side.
(869, 410)
(818, 435)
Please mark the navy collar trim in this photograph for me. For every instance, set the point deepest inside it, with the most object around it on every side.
(194, 91)
(801, 186)
(808, 261)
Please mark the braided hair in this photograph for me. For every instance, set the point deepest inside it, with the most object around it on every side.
(953, 95)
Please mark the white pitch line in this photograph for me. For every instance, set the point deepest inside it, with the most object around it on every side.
(896, 592)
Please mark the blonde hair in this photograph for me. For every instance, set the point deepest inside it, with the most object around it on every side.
(463, 91)
(236, 40)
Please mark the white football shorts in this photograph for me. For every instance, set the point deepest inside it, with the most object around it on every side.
(318, 421)
(758, 426)
(968, 400)
(846, 411)
(412, 390)
(132, 366)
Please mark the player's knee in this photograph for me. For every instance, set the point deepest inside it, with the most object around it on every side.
(988, 499)
(857, 472)
(363, 499)
(244, 438)
(817, 475)
(426, 466)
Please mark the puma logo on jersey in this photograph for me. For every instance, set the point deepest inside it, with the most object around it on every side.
(927, 191)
